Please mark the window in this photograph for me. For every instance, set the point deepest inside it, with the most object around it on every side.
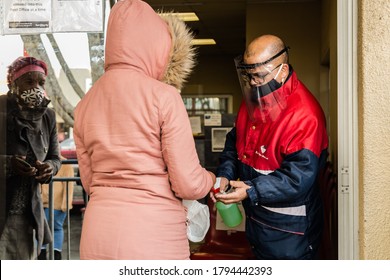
(209, 104)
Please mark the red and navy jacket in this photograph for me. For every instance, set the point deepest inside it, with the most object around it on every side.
(279, 156)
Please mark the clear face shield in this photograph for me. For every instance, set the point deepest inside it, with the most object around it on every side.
(264, 100)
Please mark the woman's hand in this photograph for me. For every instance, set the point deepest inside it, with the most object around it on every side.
(21, 167)
(45, 171)
(223, 184)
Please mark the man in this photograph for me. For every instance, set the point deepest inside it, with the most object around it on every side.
(29, 155)
(273, 155)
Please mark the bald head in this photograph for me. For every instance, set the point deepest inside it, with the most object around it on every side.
(263, 48)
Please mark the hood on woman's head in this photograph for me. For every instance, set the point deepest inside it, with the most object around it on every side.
(183, 53)
(157, 44)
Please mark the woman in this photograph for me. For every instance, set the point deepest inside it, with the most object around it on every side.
(134, 142)
(30, 156)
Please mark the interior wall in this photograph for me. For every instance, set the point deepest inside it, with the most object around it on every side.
(374, 129)
(215, 75)
(298, 25)
(328, 84)
(333, 121)
(310, 29)
(329, 43)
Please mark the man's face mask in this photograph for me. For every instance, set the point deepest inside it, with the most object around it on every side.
(31, 98)
(260, 91)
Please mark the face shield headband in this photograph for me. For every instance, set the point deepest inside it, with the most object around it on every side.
(241, 65)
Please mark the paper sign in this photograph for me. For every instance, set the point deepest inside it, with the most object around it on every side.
(77, 15)
(196, 125)
(46, 16)
(26, 16)
(212, 119)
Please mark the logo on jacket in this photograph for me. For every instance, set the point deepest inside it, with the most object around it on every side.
(263, 149)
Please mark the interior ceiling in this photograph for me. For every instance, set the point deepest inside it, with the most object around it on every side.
(222, 20)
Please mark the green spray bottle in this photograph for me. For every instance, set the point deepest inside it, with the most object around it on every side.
(230, 213)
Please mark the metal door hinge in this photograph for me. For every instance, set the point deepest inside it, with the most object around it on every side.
(344, 179)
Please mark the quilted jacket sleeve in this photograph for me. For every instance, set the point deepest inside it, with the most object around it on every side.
(84, 160)
(189, 180)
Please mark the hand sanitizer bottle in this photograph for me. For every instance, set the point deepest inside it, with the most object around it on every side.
(230, 213)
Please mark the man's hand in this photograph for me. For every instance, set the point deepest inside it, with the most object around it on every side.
(45, 171)
(237, 194)
(21, 167)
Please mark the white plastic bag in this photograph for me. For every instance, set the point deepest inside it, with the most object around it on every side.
(198, 220)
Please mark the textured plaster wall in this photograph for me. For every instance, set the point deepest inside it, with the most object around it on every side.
(374, 127)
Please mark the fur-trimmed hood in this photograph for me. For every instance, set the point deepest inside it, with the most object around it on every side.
(158, 45)
(182, 58)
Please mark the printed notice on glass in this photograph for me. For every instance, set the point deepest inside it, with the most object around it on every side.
(49, 16)
(26, 16)
(196, 125)
(212, 119)
(77, 15)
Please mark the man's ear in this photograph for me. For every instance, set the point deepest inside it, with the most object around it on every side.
(284, 72)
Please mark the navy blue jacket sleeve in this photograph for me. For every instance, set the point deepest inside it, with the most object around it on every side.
(291, 182)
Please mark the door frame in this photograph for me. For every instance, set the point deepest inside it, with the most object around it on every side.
(348, 156)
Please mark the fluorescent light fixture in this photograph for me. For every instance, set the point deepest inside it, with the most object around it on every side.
(185, 16)
(203, 42)
(188, 16)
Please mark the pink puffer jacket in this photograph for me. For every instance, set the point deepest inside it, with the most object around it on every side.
(134, 142)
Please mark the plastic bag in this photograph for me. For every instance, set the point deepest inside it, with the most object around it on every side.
(198, 220)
